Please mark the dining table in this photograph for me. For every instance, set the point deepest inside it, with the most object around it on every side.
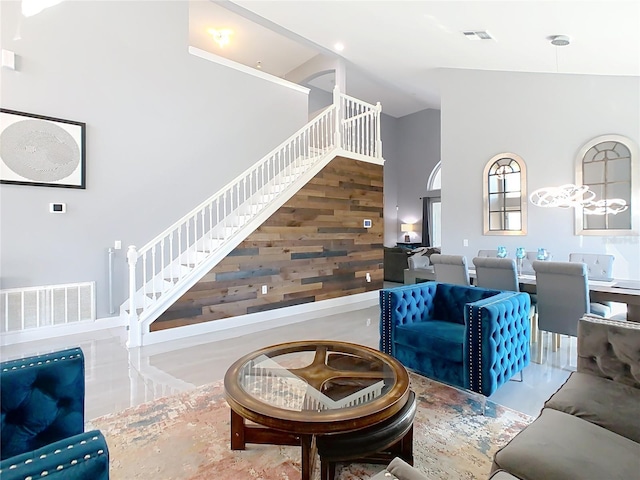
(612, 290)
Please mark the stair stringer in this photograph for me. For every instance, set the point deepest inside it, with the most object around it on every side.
(149, 315)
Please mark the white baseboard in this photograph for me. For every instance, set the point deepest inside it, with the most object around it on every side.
(241, 325)
(53, 331)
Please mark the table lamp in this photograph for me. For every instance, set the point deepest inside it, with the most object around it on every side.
(407, 228)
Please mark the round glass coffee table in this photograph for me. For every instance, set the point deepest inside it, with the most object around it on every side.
(295, 391)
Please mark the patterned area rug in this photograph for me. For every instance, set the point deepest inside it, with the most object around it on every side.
(186, 436)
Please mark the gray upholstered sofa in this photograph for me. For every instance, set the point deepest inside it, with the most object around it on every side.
(395, 261)
(590, 428)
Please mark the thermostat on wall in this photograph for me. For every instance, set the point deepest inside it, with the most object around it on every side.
(57, 207)
(367, 223)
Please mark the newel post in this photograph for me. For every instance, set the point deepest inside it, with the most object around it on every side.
(336, 103)
(378, 135)
(135, 339)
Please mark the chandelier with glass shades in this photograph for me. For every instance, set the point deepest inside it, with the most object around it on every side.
(570, 195)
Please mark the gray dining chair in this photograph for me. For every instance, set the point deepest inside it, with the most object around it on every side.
(496, 273)
(502, 274)
(488, 253)
(563, 298)
(450, 269)
(599, 266)
(527, 262)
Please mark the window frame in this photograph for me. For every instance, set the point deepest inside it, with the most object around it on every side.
(523, 195)
(634, 203)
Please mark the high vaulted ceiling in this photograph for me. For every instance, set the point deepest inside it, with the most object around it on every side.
(393, 49)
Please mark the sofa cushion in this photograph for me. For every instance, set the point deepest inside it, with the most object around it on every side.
(606, 403)
(560, 446)
(441, 339)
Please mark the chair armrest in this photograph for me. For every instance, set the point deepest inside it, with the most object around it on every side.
(400, 470)
(496, 342)
(402, 305)
(609, 349)
(81, 457)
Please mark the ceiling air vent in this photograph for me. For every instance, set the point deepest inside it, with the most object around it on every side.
(478, 35)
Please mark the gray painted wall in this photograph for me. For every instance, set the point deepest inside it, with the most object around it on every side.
(419, 149)
(392, 166)
(165, 130)
(411, 153)
(545, 119)
(318, 100)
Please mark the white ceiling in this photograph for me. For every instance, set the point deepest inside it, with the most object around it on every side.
(393, 48)
(250, 42)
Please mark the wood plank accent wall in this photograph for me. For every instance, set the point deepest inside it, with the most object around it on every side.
(313, 248)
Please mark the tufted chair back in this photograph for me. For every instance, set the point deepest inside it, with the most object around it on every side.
(450, 301)
(451, 269)
(488, 253)
(527, 262)
(609, 349)
(497, 273)
(599, 266)
(42, 400)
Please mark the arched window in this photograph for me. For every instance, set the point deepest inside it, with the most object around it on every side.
(432, 210)
(435, 181)
(608, 165)
(505, 195)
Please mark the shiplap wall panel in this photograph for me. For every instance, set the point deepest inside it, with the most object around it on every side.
(313, 248)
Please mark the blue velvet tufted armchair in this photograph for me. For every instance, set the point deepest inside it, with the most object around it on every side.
(469, 337)
(42, 421)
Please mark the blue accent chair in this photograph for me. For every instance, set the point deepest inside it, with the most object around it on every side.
(469, 337)
(42, 420)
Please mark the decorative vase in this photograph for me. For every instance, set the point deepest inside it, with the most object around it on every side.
(520, 254)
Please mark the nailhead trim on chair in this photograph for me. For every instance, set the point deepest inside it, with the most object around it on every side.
(34, 364)
(59, 467)
(475, 384)
(386, 323)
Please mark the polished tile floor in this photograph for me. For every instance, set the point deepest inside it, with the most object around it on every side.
(117, 378)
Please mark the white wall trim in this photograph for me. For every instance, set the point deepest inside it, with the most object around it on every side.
(53, 331)
(212, 57)
(257, 321)
(356, 156)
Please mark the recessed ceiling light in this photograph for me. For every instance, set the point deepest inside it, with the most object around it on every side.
(560, 40)
(339, 47)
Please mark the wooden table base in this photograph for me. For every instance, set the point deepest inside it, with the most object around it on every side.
(241, 434)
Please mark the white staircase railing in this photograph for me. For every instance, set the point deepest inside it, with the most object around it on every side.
(176, 259)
